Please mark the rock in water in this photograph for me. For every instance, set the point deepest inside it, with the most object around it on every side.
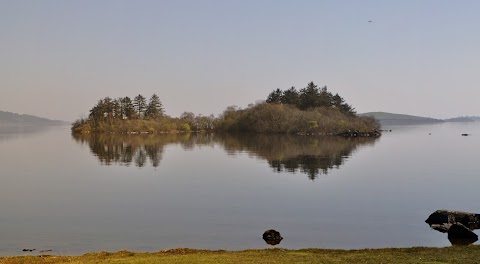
(459, 234)
(442, 220)
(272, 237)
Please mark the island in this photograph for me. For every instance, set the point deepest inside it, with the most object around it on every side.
(308, 111)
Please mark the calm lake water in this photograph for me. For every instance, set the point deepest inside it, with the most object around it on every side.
(146, 193)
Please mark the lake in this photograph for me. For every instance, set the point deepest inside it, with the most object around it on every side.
(79, 194)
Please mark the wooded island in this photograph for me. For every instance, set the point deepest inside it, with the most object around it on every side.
(311, 110)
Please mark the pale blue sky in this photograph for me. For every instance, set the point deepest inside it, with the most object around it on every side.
(57, 58)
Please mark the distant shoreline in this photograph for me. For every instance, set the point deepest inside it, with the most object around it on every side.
(385, 118)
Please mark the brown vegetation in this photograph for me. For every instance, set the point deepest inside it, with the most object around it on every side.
(284, 118)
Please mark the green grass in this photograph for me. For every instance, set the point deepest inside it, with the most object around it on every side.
(468, 254)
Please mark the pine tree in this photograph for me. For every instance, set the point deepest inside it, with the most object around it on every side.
(140, 104)
(118, 109)
(291, 97)
(127, 108)
(275, 97)
(154, 109)
(325, 98)
(309, 96)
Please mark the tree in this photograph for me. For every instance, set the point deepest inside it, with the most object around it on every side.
(275, 97)
(291, 96)
(188, 118)
(154, 109)
(128, 109)
(309, 96)
(108, 108)
(325, 98)
(347, 109)
(117, 109)
(104, 110)
(337, 101)
(140, 104)
(204, 122)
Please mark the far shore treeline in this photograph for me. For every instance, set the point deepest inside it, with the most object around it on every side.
(310, 110)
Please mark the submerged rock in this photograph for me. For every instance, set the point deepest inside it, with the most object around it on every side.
(356, 133)
(272, 237)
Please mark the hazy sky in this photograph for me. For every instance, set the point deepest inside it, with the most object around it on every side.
(57, 58)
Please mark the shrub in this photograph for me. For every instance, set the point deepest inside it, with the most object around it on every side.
(186, 127)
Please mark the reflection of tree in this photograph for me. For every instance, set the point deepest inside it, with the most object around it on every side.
(312, 156)
(310, 165)
(291, 153)
(154, 155)
(125, 149)
(141, 158)
(138, 149)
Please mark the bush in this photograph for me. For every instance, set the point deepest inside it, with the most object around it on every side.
(279, 118)
(186, 127)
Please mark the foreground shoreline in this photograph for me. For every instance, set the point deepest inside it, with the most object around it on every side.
(454, 254)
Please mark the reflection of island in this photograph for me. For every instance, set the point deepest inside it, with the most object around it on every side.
(291, 153)
(284, 153)
(127, 149)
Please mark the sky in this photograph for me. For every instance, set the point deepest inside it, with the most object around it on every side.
(59, 57)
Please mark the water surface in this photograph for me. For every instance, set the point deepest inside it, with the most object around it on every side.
(214, 191)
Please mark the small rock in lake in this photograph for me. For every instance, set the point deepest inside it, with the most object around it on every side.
(28, 249)
(465, 135)
(272, 237)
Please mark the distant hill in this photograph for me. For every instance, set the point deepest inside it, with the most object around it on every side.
(464, 119)
(474, 118)
(398, 119)
(8, 119)
(460, 119)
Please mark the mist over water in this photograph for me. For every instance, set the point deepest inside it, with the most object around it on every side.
(220, 191)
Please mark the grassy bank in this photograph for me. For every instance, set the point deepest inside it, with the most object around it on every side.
(468, 254)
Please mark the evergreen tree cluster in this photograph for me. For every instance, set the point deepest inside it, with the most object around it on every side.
(124, 115)
(108, 110)
(310, 97)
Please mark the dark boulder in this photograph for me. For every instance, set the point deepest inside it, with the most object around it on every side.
(272, 237)
(459, 234)
(442, 220)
